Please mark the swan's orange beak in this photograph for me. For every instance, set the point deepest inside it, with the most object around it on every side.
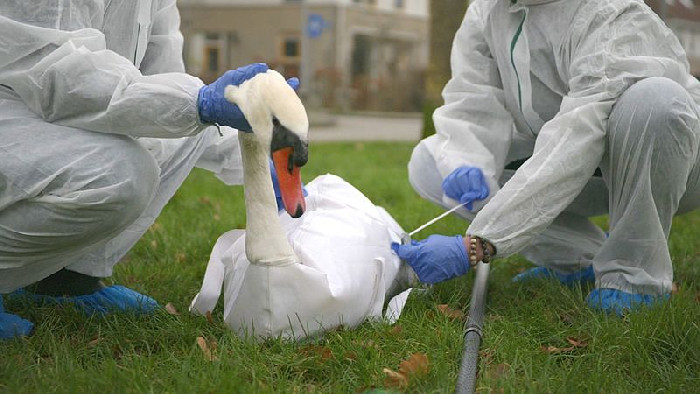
(289, 176)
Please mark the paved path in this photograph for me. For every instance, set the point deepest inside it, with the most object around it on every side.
(365, 127)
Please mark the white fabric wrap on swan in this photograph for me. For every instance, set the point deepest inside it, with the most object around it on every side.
(346, 275)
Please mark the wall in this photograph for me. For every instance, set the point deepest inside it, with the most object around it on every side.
(392, 44)
(410, 7)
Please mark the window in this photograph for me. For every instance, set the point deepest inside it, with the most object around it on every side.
(212, 59)
(288, 57)
(290, 47)
(212, 53)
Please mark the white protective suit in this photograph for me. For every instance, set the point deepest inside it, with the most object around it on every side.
(550, 80)
(83, 83)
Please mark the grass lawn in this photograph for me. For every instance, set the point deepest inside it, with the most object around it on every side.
(539, 336)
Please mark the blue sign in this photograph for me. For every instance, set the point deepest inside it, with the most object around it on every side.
(315, 25)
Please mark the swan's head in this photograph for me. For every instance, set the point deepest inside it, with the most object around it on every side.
(280, 123)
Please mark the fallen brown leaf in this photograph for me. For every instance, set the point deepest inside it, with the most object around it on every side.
(206, 349)
(349, 355)
(396, 330)
(674, 288)
(317, 351)
(170, 308)
(577, 342)
(209, 318)
(395, 379)
(180, 257)
(555, 350)
(451, 312)
(94, 342)
(413, 367)
(574, 342)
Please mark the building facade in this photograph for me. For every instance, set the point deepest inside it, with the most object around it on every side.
(349, 54)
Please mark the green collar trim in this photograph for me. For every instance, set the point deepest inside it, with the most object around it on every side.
(512, 61)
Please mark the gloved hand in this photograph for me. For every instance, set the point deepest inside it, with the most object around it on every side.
(466, 185)
(276, 185)
(13, 326)
(436, 258)
(213, 106)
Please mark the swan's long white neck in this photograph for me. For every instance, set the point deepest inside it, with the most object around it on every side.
(261, 98)
(266, 242)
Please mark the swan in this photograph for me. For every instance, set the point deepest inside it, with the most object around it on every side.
(306, 271)
(265, 100)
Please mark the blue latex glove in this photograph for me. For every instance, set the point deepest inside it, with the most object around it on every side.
(618, 302)
(276, 185)
(13, 326)
(213, 106)
(582, 276)
(436, 258)
(102, 302)
(466, 185)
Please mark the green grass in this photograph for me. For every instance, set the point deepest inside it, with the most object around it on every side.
(652, 350)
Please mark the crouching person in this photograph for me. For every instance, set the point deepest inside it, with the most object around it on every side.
(540, 130)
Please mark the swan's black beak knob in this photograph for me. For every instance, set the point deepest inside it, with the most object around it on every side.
(289, 153)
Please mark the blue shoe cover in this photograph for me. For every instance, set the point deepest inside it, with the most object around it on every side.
(104, 301)
(618, 302)
(582, 276)
(13, 326)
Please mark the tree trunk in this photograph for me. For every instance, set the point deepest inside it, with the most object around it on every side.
(445, 18)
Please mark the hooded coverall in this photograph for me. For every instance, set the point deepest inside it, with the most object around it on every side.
(569, 88)
(98, 129)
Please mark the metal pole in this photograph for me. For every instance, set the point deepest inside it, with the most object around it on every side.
(466, 380)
